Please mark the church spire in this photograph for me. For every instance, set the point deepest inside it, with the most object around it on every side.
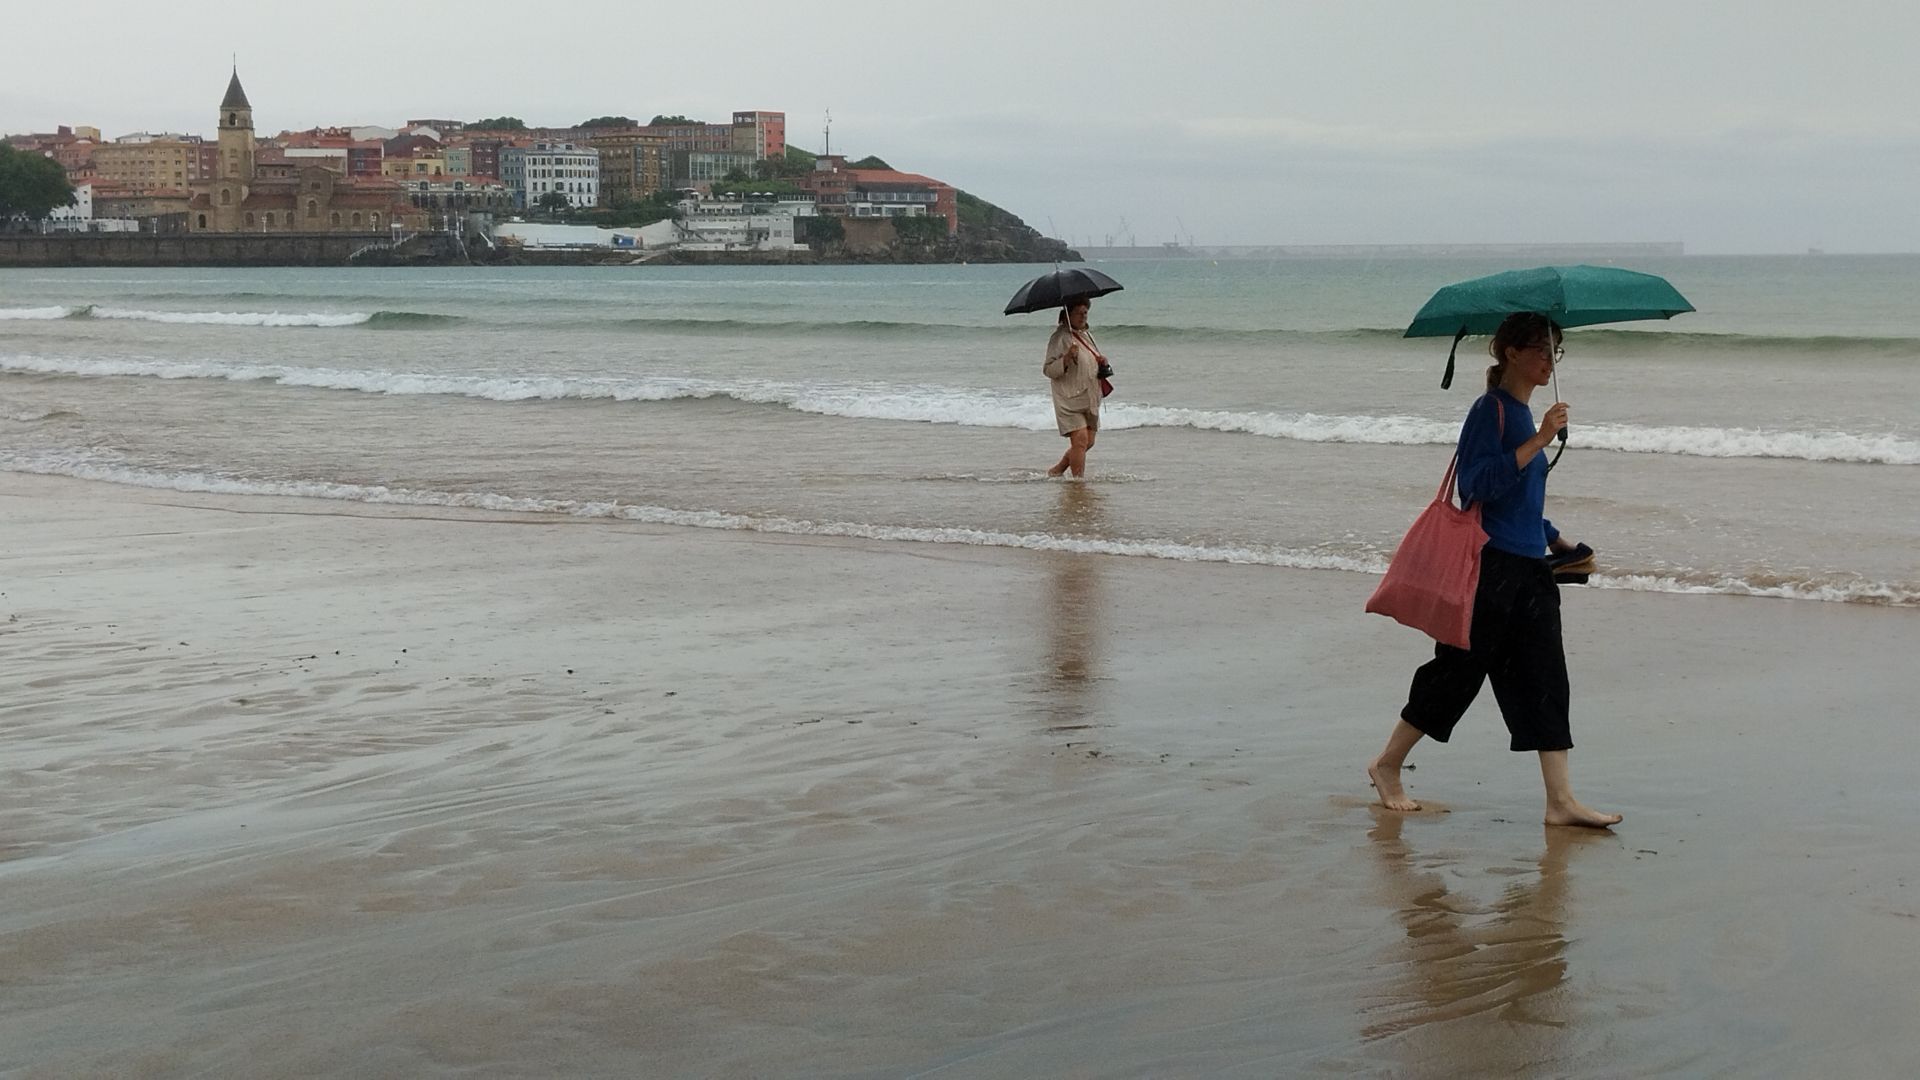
(236, 97)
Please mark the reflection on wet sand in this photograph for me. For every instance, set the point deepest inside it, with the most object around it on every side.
(1465, 959)
(1075, 612)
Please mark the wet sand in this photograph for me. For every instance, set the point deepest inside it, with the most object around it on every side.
(316, 789)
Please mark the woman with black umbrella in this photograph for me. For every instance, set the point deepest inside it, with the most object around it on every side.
(1077, 371)
(1074, 363)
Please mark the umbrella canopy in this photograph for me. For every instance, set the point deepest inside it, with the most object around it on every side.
(1569, 295)
(1055, 289)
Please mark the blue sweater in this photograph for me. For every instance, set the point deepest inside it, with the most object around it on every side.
(1512, 500)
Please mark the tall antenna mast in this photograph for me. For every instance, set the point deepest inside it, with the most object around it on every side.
(828, 152)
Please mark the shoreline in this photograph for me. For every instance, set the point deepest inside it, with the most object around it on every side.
(1371, 567)
(330, 788)
(24, 251)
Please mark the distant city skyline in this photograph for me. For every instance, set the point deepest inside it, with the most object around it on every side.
(1734, 128)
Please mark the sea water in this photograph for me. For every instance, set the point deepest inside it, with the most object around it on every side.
(1267, 412)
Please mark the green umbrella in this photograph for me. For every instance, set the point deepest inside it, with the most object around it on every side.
(1569, 295)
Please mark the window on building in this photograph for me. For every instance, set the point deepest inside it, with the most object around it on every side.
(249, 219)
(356, 219)
(203, 221)
(269, 219)
(313, 208)
(334, 219)
(374, 219)
(226, 196)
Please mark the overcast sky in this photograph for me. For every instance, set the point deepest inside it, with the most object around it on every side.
(1735, 127)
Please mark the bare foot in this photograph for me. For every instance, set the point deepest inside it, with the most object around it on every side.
(1386, 780)
(1056, 470)
(1573, 813)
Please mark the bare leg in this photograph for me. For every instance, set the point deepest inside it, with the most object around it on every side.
(1562, 807)
(1077, 444)
(1384, 773)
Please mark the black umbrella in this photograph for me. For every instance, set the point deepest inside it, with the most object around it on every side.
(1055, 289)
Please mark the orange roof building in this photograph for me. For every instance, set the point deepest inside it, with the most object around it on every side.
(853, 192)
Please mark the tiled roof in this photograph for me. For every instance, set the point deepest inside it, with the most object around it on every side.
(892, 176)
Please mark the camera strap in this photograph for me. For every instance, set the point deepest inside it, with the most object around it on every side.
(1086, 339)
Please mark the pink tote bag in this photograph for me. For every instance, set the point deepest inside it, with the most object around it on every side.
(1434, 573)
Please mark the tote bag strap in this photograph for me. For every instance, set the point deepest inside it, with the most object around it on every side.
(1445, 493)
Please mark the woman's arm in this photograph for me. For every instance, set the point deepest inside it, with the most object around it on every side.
(1061, 354)
(1550, 425)
(1487, 471)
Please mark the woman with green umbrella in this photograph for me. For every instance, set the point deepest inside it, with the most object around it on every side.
(1515, 635)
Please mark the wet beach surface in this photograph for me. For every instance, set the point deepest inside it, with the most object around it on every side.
(300, 788)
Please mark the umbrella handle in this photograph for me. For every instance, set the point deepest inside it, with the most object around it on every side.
(1446, 381)
(1562, 433)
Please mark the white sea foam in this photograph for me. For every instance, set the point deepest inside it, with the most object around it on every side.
(994, 409)
(1031, 476)
(1869, 448)
(234, 318)
(56, 312)
(1836, 591)
(89, 466)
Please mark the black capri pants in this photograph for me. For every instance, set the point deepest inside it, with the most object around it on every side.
(1516, 645)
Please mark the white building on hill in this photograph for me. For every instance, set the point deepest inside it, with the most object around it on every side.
(741, 223)
(573, 171)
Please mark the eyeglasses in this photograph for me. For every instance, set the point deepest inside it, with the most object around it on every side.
(1556, 352)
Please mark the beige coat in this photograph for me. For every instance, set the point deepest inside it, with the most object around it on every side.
(1075, 373)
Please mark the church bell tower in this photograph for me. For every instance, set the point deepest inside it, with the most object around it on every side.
(236, 134)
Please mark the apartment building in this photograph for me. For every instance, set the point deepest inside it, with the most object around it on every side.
(573, 171)
(630, 160)
(153, 162)
(762, 134)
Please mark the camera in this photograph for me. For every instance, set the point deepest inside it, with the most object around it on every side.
(1105, 372)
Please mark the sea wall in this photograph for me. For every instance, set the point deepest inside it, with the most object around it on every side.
(144, 249)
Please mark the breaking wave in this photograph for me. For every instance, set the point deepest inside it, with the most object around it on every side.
(1581, 340)
(994, 409)
(375, 319)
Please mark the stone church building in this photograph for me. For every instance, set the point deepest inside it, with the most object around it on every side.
(246, 196)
